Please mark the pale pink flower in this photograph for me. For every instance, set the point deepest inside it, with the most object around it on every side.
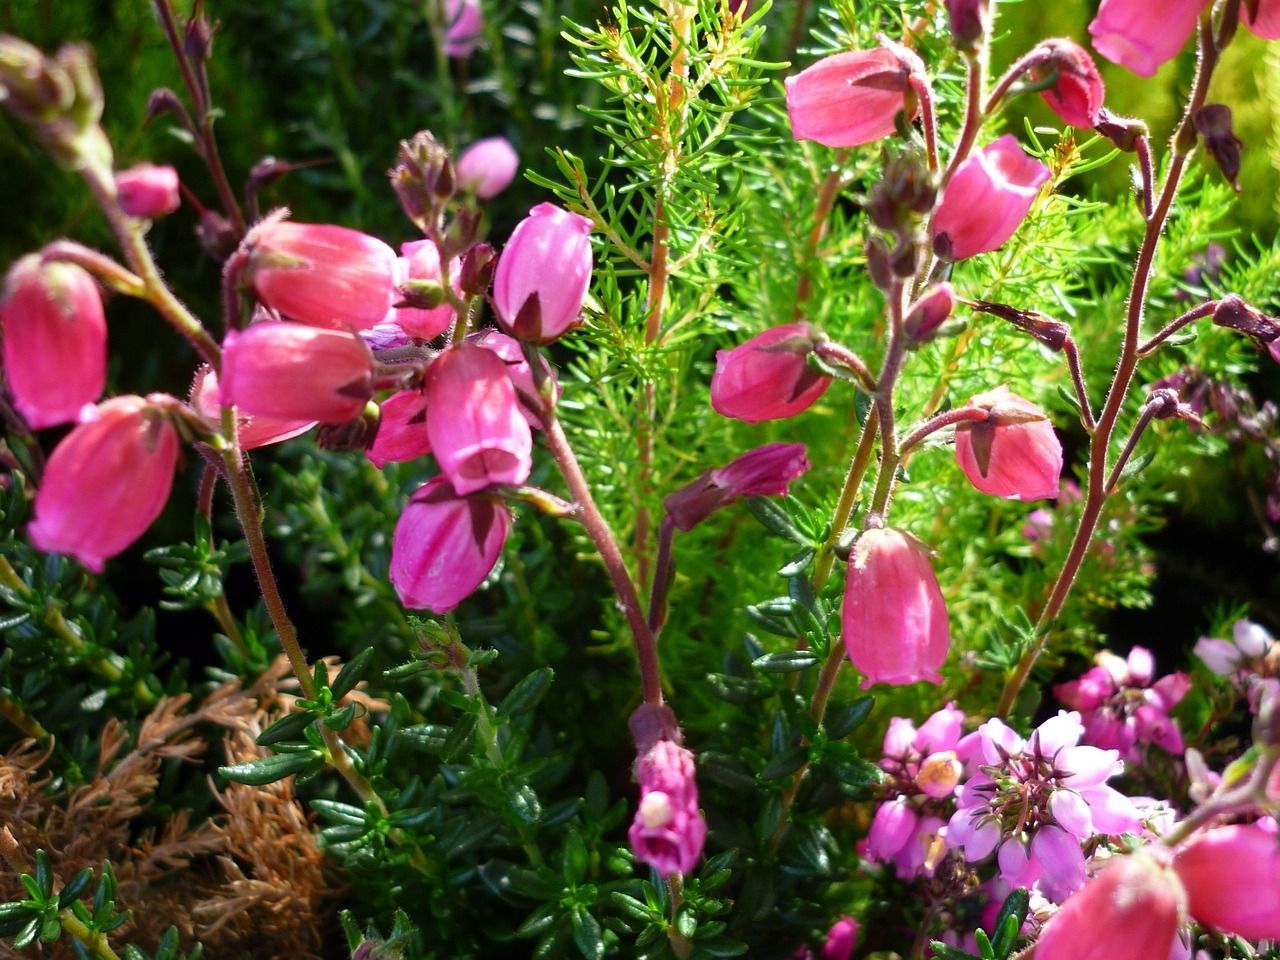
(543, 273)
(487, 167)
(1142, 34)
(849, 99)
(668, 830)
(402, 429)
(252, 432)
(768, 377)
(420, 260)
(987, 199)
(1015, 453)
(1232, 877)
(148, 192)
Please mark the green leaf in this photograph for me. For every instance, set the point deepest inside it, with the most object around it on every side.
(785, 661)
(28, 934)
(1013, 914)
(843, 718)
(264, 770)
(352, 672)
(787, 762)
(78, 884)
(633, 908)
(459, 738)
(576, 858)
(984, 944)
(340, 719)
(774, 518)
(587, 935)
(523, 802)
(944, 952)
(288, 727)
(526, 694)
(44, 875)
(538, 921)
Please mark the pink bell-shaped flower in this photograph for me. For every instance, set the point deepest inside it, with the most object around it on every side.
(987, 199)
(291, 371)
(253, 432)
(445, 545)
(1267, 23)
(474, 422)
(1232, 876)
(487, 167)
(55, 340)
(147, 191)
(841, 939)
(1077, 92)
(763, 472)
(852, 98)
(1142, 34)
(421, 261)
(768, 377)
(509, 352)
(106, 482)
(668, 830)
(1015, 454)
(894, 619)
(1131, 909)
(543, 273)
(321, 274)
(464, 27)
(402, 429)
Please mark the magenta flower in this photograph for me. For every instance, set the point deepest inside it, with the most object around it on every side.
(55, 340)
(987, 199)
(508, 350)
(402, 429)
(1247, 659)
(841, 939)
(893, 618)
(1142, 34)
(420, 260)
(445, 546)
(668, 830)
(252, 432)
(543, 274)
(1132, 909)
(970, 20)
(1036, 800)
(148, 192)
(763, 472)
(1121, 707)
(768, 377)
(106, 481)
(291, 371)
(851, 98)
(1232, 877)
(1077, 93)
(487, 167)
(1267, 23)
(474, 422)
(464, 28)
(321, 274)
(929, 313)
(1014, 454)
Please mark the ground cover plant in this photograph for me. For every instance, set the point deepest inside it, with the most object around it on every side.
(652, 478)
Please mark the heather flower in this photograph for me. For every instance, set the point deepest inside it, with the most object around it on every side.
(1122, 708)
(508, 350)
(402, 429)
(106, 481)
(464, 28)
(1077, 92)
(1034, 801)
(420, 260)
(1267, 22)
(852, 98)
(1250, 659)
(1013, 454)
(970, 21)
(321, 274)
(668, 830)
(763, 472)
(487, 167)
(926, 316)
(841, 939)
(55, 340)
(987, 199)
(768, 377)
(147, 191)
(1142, 34)
(894, 618)
(1232, 877)
(252, 432)
(543, 273)
(474, 424)
(445, 546)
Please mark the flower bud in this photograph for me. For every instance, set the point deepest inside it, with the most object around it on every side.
(474, 422)
(987, 199)
(1266, 22)
(852, 98)
(421, 262)
(1122, 131)
(1213, 123)
(1132, 908)
(543, 273)
(929, 313)
(1054, 334)
(487, 167)
(106, 482)
(841, 939)
(148, 192)
(55, 340)
(217, 235)
(252, 432)
(291, 371)
(1232, 876)
(768, 377)
(1233, 313)
(1142, 34)
(668, 830)
(763, 472)
(970, 21)
(464, 28)
(402, 429)
(422, 177)
(477, 269)
(320, 274)
(894, 619)
(939, 774)
(445, 546)
(1077, 92)
(1014, 454)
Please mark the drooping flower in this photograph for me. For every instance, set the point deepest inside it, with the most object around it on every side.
(477, 432)
(851, 98)
(1077, 92)
(970, 21)
(1250, 659)
(508, 350)
(543, 274)
(1014, 454)
(1122, 708)
(321, 274)
(1132, 909)
(987, 199)
(487, 167)
(929, 313)
(1267, 23)
(1142, 34)
(253, 432)
(402, 429)
(763, 472)
(1232, 877)
(292, 371)
(1036, 800)
(668, 830)
(420, 260)
(445, 546)
(841, 939)
(768, 377)
(106, 481)
(894, 619)
(55, 340)
(464, 28)
(148, 192)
